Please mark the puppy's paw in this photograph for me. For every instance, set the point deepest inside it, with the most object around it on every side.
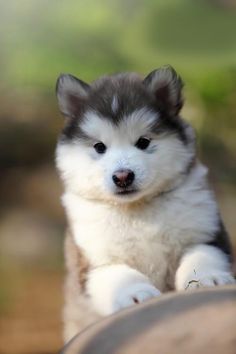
(209, 279)
(114, 287)
(135, 294)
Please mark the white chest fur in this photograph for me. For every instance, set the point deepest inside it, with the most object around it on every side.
(150, 236)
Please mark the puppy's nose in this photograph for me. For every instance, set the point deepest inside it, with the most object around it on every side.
(123, 178)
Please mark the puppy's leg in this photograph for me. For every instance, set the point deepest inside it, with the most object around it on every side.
(114, 287)
(202, 266)
(77, 312)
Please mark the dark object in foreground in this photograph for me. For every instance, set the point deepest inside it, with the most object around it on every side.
(190, 322)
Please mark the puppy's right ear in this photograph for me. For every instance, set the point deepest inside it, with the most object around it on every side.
(166, 86)
(71, 94)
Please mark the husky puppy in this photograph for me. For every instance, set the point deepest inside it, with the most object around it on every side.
(141, 217)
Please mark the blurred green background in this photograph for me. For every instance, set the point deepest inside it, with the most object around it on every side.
(39, 39)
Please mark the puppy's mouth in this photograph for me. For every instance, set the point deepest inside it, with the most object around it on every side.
(126, 192)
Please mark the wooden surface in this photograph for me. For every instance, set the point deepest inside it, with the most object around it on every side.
(202, 321)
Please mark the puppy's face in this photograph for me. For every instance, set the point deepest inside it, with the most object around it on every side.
(123, 139)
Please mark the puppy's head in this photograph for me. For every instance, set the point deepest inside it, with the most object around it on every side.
(123, 138)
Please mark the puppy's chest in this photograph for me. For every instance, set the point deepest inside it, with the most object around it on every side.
(142, 238)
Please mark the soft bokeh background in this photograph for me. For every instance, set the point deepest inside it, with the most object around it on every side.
(40, 39)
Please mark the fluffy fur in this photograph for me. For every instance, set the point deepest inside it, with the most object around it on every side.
(160, 233)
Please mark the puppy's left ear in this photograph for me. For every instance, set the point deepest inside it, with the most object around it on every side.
(166, 86)
(71, 94)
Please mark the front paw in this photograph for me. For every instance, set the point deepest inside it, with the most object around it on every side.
(135, 294)
(209, 279)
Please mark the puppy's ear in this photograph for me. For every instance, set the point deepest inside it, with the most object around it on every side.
(71, 94)
(166, 86)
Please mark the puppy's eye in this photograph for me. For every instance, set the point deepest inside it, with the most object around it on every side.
(100, 148)
(142, 143)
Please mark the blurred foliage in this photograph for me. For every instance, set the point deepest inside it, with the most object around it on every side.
(42, 38)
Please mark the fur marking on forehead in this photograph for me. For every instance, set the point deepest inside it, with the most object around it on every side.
(133, 125)
(140, 121)
(114, 104)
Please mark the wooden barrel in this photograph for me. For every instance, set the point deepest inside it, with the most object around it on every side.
(202, 321)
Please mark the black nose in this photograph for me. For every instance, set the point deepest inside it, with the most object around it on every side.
(123, 178)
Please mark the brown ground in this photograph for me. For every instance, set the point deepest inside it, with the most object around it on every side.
(30, 321)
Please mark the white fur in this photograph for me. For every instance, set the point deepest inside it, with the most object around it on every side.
(129, 130)
(151, 236)
(203, 266)
(90, 175)
(114, 287)
(134, 243)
